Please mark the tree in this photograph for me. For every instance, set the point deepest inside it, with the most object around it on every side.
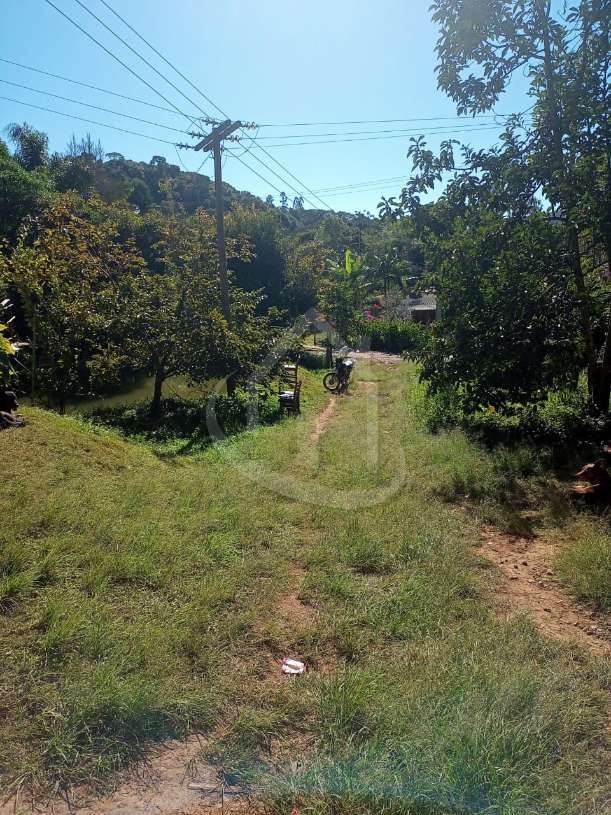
(342, 292)
(386, 269)
(559, 160)
(509, 312)
(85, 147)
(305, 265)
(32, 146)
(21, 193)
(175, 324)
(67, 268)
(567, 59)
(264, 268)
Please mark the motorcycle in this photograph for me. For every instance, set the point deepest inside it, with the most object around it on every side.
(337, 381)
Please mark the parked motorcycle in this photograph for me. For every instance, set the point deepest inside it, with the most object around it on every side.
(337, 381)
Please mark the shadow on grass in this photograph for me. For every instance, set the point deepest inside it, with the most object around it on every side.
(180, 427)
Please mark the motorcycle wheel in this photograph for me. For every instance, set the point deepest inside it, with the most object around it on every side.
(331, 382)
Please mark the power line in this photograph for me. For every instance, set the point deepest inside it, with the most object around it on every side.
(376, 188)
(378, 138)
(207, 98)
(382, 121)
(133, 50)
(134, 73)
(173, 111)
(87, 105)
(88, 121)
(444, 129)
(120, 61)
(161, 56)
(284, 181)
(362, 183)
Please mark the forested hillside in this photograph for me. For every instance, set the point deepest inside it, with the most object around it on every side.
(109, 268)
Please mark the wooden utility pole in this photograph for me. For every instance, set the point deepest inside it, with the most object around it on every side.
(213, 142)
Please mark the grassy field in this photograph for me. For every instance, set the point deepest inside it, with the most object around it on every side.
(145, 597)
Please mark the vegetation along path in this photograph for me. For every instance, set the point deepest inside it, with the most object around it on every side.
(146, 599)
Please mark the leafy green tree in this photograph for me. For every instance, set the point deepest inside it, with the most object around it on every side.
(385, 270)
(342, 294)
(32, 146)
(305, 265)
(67, 269)
(559, 162)
(21, 193)
(265, 268)
(509, 312)
(174, 323)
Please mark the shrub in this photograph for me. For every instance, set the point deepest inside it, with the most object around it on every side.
(185, 419)
(310, 360)
(564, 416)
(395, 336)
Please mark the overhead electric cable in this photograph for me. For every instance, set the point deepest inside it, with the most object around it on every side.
(362, 183)
(385, 121)
(207, 98)
(120, 61)
(374, 138)
(161, 56)
(136, 53)
(444, 129)
(151, 87)
(88, 121)
(95, 107)
(173, 111)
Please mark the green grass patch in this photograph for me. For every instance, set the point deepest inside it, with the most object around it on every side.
(144, 600)
(584, 565)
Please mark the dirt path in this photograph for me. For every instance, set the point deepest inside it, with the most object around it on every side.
(528, 585)
(323, 419)
(374, 356)
(173, 781)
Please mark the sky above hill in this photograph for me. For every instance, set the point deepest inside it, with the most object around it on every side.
(282, 65)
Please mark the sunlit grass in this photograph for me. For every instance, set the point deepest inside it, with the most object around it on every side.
(584, 564)
(141, 603)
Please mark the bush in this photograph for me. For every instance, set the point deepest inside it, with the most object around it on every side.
(186, 419)
(311, 361)
(563, 417)
(395, 336)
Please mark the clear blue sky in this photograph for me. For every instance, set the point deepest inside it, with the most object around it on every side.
(260, 60)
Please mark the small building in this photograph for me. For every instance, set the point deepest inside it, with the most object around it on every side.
(421, 308)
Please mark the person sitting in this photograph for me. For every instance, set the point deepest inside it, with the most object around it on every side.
(8, 406)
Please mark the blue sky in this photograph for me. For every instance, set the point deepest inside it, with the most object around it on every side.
(266, 61)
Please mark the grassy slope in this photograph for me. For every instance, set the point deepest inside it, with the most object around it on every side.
(140, 600)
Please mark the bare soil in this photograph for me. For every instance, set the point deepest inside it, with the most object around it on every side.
(378, 356)
(322, 420)
(528, 584)
(173, 781)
